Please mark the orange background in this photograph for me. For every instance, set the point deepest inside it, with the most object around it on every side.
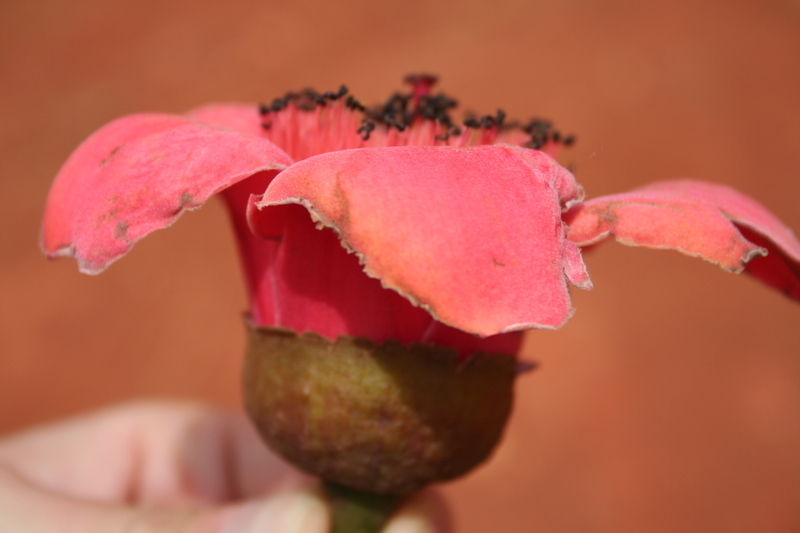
(670, 402)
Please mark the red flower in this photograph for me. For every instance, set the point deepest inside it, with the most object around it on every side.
(461, 236)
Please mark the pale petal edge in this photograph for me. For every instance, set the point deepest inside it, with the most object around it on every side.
(139, 174)
(705, 220)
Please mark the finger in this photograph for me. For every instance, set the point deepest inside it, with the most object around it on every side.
(26, 509)
(295, 511)
(424, 512)
(164, 453)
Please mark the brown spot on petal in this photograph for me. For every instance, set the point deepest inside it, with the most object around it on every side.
(104, 217)
(121, 231)
(343, 222)
(112, 154)
(497, 263)
(186, 199)
(607, 216)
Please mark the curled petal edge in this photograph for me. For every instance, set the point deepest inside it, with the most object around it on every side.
(138, 174)
(713, 222)
(491, 206)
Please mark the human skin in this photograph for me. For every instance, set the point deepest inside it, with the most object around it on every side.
(157, 467)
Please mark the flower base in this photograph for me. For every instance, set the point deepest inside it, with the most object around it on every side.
(384, 419)
(355, 511)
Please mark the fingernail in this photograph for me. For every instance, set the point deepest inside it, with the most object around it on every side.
(300, 511)
(409, 523)
(424, 512)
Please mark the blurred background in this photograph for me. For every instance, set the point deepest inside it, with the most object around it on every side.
(671, 400)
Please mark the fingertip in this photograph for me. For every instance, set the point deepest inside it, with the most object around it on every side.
(425, 512)
(294, 511)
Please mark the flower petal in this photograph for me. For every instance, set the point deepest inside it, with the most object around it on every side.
(474, 235)
(138, 174)
(243, 118)
(700, 219)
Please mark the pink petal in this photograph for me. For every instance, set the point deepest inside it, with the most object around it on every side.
(243, 118)
(710, 221)
(138, 174)
(574, 268)
(473, 235)
(303, 279)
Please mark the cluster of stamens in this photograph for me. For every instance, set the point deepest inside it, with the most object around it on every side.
(307, 122)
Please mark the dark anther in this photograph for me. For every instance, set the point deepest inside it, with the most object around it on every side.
(330, 95)
(471, 122)
(416, 80)
(390, 121)
(366, 128)
(265, 125)
(500, 117)
(279, 104)
(310, 99)
(397, 112)
(426, 110)
(436, 108)
(394, 112)
(401, 110)
(533, 144)
(354, 104)
(537, 127)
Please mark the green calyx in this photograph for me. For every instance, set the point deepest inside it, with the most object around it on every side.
(385, 419)
(355, 511)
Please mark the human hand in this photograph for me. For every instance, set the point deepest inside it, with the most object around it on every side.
(166, 467)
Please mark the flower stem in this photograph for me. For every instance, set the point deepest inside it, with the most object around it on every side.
(356, 511)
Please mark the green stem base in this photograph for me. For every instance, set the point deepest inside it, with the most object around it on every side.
(356, 511)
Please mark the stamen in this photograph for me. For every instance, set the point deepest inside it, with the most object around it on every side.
(472, 122)
(422, 84)
(308, 122)
(354, 105)
(366, 128)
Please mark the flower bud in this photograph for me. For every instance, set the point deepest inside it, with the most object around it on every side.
(383, 418)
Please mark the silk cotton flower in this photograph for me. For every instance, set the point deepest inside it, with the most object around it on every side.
(381, 354)
(455, 235)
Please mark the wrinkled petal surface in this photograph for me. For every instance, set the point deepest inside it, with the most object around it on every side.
(137, 175)
(243, 118)
(700, 219)
(304, 280)
(473, 235)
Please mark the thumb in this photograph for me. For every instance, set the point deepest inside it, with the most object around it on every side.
(295, 511)
(25, 508)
